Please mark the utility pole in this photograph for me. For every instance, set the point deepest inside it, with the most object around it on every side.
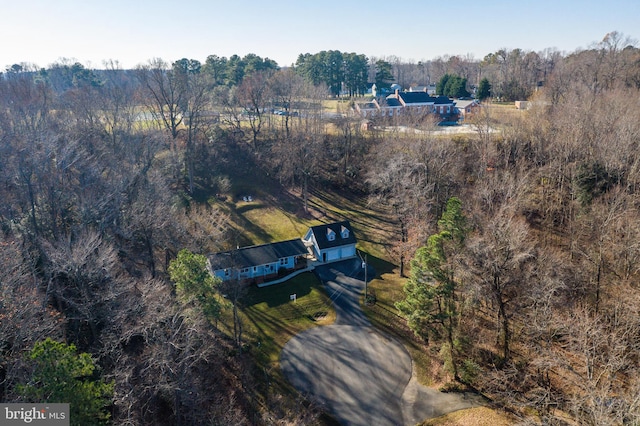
(365, 280)
(364, 266)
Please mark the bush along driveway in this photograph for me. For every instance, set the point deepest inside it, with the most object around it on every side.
(358, 375)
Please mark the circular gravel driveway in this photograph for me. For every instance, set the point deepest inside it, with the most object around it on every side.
(358, 375)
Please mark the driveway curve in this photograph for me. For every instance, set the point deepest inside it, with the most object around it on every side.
(357, 374)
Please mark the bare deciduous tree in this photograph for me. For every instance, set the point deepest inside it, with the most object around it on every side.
(604, 374)
(288, 90)
(82, 282)
(25, 317)
(163, 94)
(502, 256)
(253, 96)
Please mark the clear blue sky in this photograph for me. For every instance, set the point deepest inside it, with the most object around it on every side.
(134, 31)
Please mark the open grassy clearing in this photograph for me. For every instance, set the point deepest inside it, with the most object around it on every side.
(330, 105)
(258, 222)
(373, 226)
(503, 111)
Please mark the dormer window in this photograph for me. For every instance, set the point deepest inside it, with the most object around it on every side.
(331, 235)
(344, 232)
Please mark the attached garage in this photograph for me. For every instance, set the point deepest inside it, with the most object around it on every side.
(331, 242)
(349, 251)
(331, 255)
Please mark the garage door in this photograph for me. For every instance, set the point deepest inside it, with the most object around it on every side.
(333, 255)
(348, 252)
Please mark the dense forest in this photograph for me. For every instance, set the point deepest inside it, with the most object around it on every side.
(520, 241)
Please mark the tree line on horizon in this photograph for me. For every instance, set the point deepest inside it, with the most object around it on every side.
(526, 238)
(512, 74)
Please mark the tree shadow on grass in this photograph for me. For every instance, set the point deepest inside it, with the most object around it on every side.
(280, 294)
(248, 207)
(380, 266)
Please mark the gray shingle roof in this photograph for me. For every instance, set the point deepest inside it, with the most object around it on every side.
(443, 100)
(463, 103)
(415, 97)
(391, 102)
(321, 234)
(257, 255)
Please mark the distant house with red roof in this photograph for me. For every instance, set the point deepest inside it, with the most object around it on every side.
(411, 102)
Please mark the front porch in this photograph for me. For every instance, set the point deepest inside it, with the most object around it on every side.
(305, 265)
(301, 265)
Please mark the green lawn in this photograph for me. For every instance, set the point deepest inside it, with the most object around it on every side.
(270, 318)
(276, 224)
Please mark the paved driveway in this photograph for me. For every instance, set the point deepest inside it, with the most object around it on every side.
(360, 376)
